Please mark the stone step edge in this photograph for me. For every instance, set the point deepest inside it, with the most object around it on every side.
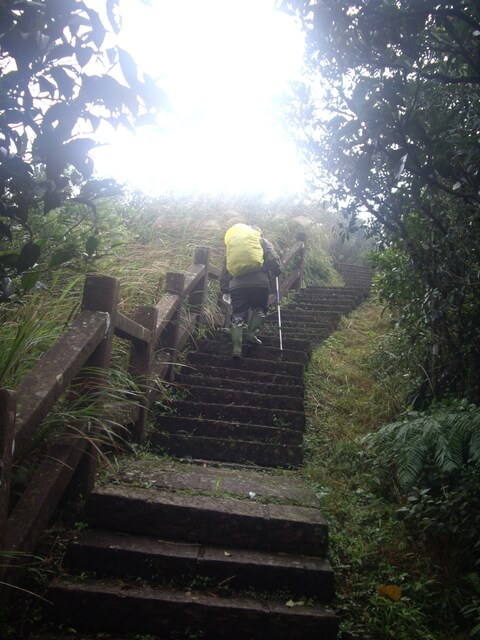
(156, 610)
(247, 523)
(147, 554)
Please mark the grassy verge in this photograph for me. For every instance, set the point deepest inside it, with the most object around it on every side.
(385, 587)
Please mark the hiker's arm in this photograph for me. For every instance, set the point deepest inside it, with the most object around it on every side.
(271, 258)
(225, 279)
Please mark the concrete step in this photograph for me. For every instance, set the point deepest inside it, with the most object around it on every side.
(242, 374)
(272, 416)
(295, 344)
(237, 451)
(280, 367)
(120, 607)
(196, 380)
(122, 555)
(211, 506)
(304, 316)
(240, 398)
(260, 352)
(202, 428)
(316, 307)
(326, 291)
(299, 323)
(313, 335)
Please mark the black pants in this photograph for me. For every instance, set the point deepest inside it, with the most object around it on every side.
(245, 298)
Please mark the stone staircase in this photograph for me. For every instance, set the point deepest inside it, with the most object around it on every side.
(222, 538)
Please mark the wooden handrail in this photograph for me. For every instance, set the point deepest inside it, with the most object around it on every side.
(192, 277)
(163, 328)
(128, 329)
(53, 373)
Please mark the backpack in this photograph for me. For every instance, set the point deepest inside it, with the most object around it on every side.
(244, 250)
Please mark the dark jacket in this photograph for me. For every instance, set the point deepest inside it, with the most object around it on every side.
(272, 267)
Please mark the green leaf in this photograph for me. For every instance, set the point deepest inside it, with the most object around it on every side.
(362, 168)
(9, 260)
(5, 231)
(62, 255)
(98, 31)
(128, 66)
(29, 279)
(64, 82)
(28, 256)
(83, 55)
(52, 200)
(91, 245)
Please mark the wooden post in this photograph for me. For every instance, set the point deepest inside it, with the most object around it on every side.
(196, 299)
(140, 366)
(175, 285)
(7, 427)
(100, 293)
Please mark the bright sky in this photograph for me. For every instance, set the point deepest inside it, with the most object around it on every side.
(224, 64)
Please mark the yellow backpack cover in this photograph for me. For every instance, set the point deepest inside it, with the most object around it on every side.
(244, 250)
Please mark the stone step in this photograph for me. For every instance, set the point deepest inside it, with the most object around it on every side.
(311, 334)
(260, 352)
(212, 506)
(333, 291)
(358, 282)
(320, 294)
(299, 323)
(240, 398)
(272, 416)
(270, 339)
(316, 306)
(278, 367)
(320, 318)
(196, 380)
(242, 375)
(245, 452)
(122, 555)
(105, 605)
(202, 428)
(283, 487)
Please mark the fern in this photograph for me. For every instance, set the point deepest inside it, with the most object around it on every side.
(446, 438)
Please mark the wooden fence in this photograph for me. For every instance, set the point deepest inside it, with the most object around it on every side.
(87, 343)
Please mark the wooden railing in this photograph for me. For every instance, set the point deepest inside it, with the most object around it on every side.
(157, 334)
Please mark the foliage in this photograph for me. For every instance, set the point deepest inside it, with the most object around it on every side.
(28, 330)
(435, 459)
(62, 77)
(441, 442)
(396, 129)
(346, 397)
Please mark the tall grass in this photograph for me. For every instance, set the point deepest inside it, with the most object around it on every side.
(30, 328)
(390, 584)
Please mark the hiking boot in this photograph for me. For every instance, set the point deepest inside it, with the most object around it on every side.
(256, 321)
(236, 333)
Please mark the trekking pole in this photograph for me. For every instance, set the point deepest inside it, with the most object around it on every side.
(279, 316)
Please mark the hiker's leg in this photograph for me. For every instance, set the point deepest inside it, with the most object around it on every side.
(256, 320)
(259, 307)
(240, 307)
(236, 331)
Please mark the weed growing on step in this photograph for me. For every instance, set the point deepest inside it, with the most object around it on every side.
(385, 589)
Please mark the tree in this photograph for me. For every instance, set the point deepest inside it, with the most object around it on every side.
(399, 138)
(61, 76)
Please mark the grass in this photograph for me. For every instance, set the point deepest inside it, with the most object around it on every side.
(386, 586)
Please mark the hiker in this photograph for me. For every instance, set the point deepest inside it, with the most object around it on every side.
(250, 262)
